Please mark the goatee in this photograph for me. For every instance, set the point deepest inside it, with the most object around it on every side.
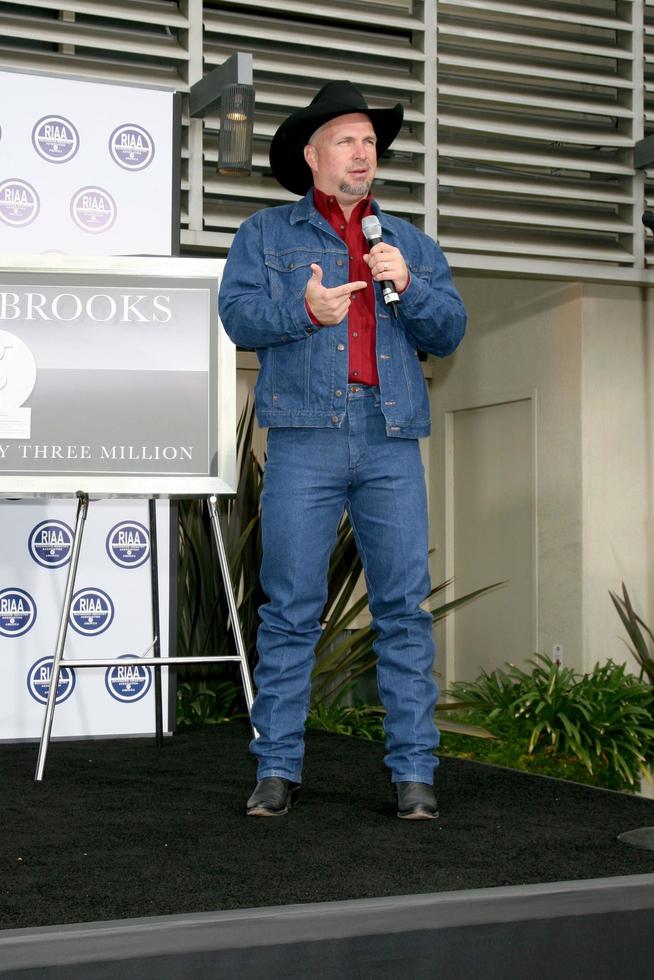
(356, 190)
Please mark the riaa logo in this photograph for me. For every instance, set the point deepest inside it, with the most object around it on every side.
(55, 139)
(91, 612)
(93, 209)
(19, 202)
(128, 544)
(131, 147)
(50, 544)
(39, 677)
(17, 612)
(128, 681)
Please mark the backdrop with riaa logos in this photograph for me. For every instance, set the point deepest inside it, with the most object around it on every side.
(86, 169)
(110, 616)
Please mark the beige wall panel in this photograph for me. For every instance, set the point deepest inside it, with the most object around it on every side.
(523, 342)
(618, 407)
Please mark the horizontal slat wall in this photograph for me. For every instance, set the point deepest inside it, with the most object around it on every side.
(537, 105)
(648, 45)
(536, 129)
(142, 42)
(297, 46)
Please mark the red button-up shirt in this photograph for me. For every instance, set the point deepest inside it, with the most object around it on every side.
(362, 328)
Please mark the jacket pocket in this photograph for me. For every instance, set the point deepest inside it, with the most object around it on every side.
(289, 271)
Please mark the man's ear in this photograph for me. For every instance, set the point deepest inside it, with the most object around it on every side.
(310, 155)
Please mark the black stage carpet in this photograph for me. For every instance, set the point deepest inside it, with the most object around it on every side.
(122, 829)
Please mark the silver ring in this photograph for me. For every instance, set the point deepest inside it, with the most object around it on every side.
(385, 266)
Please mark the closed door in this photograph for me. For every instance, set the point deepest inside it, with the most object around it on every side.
(492, 524)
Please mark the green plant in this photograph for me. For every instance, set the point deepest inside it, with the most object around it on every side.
(510, 751)
(620, 724)
(358, 719)
(200, 703)
(494, 694)
(602, 719)
(639, 633)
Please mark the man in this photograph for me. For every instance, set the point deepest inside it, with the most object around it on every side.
(341, 389)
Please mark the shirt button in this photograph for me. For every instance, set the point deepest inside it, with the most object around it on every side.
(355, 374)
(335, 419)
(339, 261)
(342, 227)
(338, 392)
(340, 347)
(354, 333)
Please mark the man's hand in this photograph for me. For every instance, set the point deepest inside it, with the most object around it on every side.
(329, 306)
(386, 262)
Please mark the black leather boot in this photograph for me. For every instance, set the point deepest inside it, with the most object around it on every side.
(416, 801)
(272, 797)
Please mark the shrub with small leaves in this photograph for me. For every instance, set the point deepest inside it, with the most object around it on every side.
(208, 703)
(359, 719)
(604, 719)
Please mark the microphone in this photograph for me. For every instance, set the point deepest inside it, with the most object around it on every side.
(371, 228)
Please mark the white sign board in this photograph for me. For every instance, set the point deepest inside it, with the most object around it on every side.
(85, 167)
(104, 623)
(115, 379)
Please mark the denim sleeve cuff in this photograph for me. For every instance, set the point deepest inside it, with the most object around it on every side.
(414, 291)
(303, 325)
(312, 317)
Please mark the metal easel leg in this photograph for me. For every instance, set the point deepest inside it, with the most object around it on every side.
(82, 510)
(233, 611)
(154, 586)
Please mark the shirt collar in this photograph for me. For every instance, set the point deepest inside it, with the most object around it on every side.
(330, 209)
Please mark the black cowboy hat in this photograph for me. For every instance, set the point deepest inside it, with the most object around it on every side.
(333, 99)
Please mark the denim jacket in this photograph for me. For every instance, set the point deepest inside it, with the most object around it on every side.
(304, 369)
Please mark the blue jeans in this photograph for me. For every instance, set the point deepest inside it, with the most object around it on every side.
(311, 475)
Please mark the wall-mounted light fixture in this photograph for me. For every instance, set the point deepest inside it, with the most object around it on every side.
(229, 87)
